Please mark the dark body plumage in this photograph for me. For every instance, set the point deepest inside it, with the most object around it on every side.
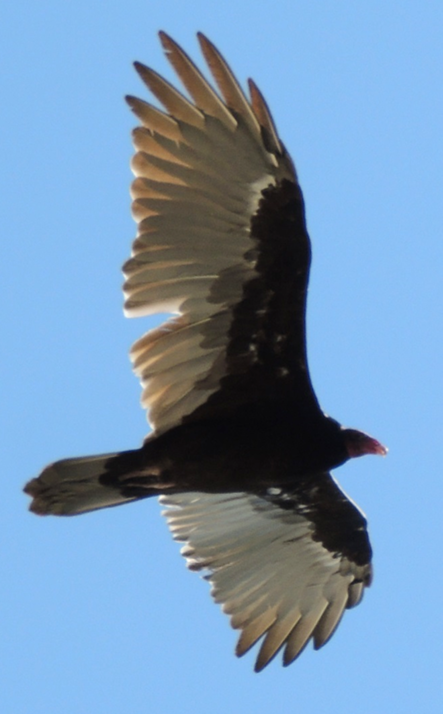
(241, 451)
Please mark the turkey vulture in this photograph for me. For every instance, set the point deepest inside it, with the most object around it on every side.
(240, 451)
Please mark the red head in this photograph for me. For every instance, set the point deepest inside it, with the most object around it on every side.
(358, 444)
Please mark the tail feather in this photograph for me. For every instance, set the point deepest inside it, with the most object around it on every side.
(74, 486)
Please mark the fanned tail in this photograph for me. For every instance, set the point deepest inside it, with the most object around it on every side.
(79, 485)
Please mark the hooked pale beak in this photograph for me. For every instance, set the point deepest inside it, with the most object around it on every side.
(376, 448)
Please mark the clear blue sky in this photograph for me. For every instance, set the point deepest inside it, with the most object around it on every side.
(98, 613)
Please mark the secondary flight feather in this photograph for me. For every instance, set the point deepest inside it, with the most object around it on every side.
(240, 451)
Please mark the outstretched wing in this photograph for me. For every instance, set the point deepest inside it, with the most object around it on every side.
(284, 565)
(221, 242)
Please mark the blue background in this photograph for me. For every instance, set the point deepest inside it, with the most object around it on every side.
(98, 613)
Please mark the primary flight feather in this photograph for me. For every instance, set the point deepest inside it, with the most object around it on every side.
(240, 451)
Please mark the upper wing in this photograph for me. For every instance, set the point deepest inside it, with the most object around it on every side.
(284, 565)
(222, 242)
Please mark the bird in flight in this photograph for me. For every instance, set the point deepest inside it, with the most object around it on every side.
(240, 451)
